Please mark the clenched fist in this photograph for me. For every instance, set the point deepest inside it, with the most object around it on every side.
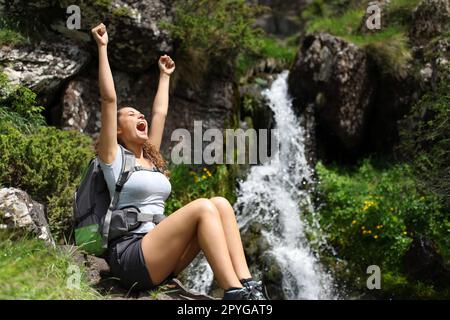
(100, 35)
(166, 64)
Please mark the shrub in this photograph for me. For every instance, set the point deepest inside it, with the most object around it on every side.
(189, 184)
(31, 270)
(425, 141)
(371, 213)
(221, 28)
(45, 164)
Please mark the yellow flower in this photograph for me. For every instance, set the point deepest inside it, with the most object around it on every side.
(192, 173)
(208, 173)
(204, 169)
(368, 204)
(369, 231)
(354, 222)
(405, 233)
(375, 237)
(196, 179)
(203, 177)
(363, 227)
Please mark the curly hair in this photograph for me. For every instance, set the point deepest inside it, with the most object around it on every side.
(149, 151)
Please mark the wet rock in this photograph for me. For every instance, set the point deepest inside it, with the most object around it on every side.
(423, 262)
(262, 265)
(19, 212)
(42, 68)
(333, 76)
(430, 19)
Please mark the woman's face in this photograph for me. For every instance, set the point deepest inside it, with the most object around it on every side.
(132, 126)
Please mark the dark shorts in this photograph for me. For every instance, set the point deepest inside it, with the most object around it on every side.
(126, 260)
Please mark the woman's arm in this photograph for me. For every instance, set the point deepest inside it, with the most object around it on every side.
(107, 146)
(161, 102)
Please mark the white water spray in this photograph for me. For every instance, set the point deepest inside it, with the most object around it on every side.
(272, 195)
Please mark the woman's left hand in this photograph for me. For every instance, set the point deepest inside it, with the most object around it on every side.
(166, 64)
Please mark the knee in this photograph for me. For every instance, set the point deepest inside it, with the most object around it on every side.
(224, 206)
(206, 207)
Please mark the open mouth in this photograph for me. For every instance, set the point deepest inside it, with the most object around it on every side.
(141, 126)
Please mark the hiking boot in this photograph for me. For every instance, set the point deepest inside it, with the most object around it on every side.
(236, 294)
(257, 289)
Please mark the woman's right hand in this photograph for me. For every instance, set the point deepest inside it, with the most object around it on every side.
(100, 35)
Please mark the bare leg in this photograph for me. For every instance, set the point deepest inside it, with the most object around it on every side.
(166, 243)
(232, 236)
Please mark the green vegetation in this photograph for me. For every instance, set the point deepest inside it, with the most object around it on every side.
(9, 35)
(31, 270)
(370, 215)
(46, 164)
(190, 183)
(425, 141)
(18, 106)
(220, 28)
(388, 47)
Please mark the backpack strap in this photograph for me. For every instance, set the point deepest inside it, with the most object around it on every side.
(127, 169)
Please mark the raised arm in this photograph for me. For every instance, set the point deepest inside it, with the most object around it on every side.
(161, 102)
(107, 146)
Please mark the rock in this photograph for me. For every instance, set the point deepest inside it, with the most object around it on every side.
(19, 211)
(254, 105)
(42, 68)
(333, 75)
(282, 19)
(430, 19)
(262, 264)
(99, 276)
(423, 262)
(135, 39)
(80, 104)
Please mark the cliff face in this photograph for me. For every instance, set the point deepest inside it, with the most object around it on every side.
(61, 66)
(358, 94)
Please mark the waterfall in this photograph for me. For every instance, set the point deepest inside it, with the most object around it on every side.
(274, 195)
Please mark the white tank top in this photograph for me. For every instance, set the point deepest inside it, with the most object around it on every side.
(147, 190)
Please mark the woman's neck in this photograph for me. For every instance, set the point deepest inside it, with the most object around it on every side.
(136, 149)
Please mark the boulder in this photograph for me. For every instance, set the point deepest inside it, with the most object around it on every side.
(333, 75)
(136, 40)
(44, 67)
(430, 19)
(19, 212)
(423, 262)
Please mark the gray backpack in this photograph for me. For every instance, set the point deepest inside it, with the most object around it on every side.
(96, 218)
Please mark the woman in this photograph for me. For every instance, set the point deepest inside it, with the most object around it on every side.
(150, 254)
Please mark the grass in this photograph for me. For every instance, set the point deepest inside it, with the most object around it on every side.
(31, 270)
(10, 37)
(388, 47)
(282, 51)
